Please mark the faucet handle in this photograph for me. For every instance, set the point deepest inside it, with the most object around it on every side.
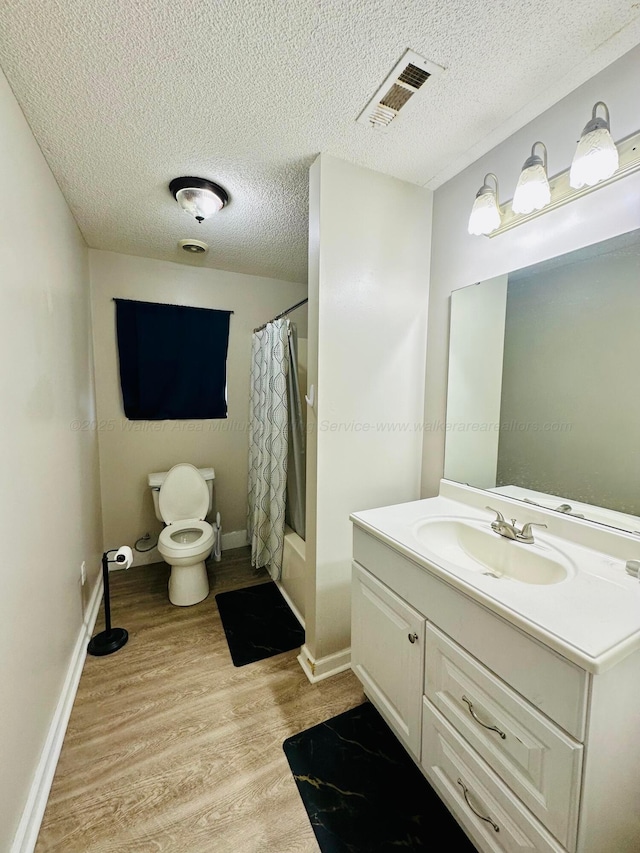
(499, 515)
(526, 529)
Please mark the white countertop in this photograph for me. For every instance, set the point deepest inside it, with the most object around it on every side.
(592, 618)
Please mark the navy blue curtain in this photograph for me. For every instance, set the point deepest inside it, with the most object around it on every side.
(173, 361)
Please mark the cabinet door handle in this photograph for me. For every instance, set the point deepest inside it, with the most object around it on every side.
(465, 792)
(412, 637)
(478, 720)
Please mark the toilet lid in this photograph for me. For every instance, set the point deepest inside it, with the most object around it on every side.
(184, 494)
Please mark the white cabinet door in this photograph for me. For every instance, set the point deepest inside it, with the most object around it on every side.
(387, 654)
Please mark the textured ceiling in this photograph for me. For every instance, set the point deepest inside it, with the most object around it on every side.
(123, 96)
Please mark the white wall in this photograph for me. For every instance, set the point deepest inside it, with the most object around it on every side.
(368, 289)
(475, 382)
(49, 506)
(130, 450)
(460, 259)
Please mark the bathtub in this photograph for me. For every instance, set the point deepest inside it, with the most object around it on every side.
(292, 582)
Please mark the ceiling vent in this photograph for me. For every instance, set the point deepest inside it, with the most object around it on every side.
(406, 78)
(194, 247)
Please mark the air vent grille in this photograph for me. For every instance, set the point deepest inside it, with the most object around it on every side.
(414, 76)
(382, 115)
(396, 97)
(406, 78)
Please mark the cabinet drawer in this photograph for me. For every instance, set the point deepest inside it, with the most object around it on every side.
(536, 759)
(495, 820)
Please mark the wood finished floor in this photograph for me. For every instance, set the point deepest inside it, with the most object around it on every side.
(172, 748)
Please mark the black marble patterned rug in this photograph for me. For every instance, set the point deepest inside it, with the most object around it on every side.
(363, 793)
(258, 623)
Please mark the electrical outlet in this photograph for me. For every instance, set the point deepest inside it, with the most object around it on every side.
(83, 573)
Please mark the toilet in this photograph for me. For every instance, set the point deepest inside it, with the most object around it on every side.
(182, 498)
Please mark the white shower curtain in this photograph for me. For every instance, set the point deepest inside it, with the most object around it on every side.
(268, 445)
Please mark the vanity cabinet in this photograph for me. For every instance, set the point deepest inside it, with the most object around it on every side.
(513, 736)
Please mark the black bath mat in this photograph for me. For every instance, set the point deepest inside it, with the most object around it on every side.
(363, 793)
(258, 623)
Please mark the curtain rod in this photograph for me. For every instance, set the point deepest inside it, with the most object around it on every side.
(284, 314)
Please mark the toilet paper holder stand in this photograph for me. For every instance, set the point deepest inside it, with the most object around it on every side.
(111, 639)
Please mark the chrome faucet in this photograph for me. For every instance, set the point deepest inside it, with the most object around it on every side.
(510, 530)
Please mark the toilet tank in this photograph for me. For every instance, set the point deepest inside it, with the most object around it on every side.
(156, 480)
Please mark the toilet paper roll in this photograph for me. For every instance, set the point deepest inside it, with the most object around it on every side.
(124, 557)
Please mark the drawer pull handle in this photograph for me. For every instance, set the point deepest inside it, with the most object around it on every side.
(465, 791)
(478, 720)
(412, 637)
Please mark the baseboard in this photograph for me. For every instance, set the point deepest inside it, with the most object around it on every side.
(292, 607)
(318, 670)
(235, 539)
(27, 834)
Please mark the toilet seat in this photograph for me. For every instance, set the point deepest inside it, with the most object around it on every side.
(183, 495)
(169, 547)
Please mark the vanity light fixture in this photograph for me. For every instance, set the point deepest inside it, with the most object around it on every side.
(598, 161)
(198, 196)
(596, 157)
(485, 213)
(532, 192)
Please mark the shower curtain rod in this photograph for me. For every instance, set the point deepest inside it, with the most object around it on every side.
(284, 314)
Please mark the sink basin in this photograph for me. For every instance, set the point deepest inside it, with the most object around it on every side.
(474, 546)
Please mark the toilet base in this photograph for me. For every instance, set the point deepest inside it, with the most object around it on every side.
(188, 584)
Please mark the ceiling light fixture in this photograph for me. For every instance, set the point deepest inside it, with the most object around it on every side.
(596, 157)
(198, 197)
(532, 192)
(485, 213)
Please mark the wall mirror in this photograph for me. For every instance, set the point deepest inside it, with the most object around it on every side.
(543, 399)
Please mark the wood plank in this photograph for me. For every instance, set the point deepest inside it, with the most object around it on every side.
(172, 748)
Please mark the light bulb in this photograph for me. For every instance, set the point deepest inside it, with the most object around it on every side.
(201, 204)
(485, 213)
(596, 157)
(532, 192)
